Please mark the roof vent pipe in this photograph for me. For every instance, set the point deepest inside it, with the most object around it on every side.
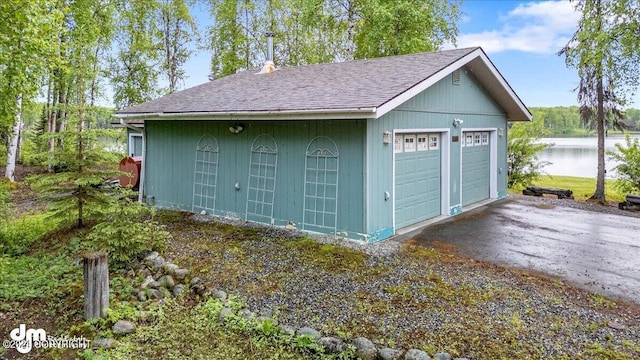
(269, 66)
(269, 35)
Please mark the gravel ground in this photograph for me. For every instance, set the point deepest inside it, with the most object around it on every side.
(406, 296)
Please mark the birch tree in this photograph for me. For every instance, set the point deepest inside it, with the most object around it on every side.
(25, 46)
(605, 50)
(178, 30)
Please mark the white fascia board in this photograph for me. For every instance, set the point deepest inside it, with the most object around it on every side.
(326, 114)
(425, 84)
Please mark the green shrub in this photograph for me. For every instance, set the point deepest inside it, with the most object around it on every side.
(523, 165)
(628, 171)
(129, 233)
(16, 236)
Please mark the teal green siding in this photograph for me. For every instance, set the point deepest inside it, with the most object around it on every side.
(434, 108)
(171, 164)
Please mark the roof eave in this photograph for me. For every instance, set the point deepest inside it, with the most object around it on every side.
(315, 114)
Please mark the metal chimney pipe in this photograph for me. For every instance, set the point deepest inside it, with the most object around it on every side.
(269, 35)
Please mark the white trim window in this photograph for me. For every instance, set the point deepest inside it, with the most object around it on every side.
(468, 139)
(422, 142)
(409, 143)
(434, 141)
(135, 144)
(397, 144)
(477, 139)
(485, 138)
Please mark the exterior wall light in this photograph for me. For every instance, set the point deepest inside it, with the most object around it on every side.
(457, 122)
(236, 129)
(500, 132)
(386, 137)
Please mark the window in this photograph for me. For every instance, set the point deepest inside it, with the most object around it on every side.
(468, 139)
(135, 144)
(434, 141)
(409, 143)
(397, 144)
(485, 138)
(422, 142)
(476, 139)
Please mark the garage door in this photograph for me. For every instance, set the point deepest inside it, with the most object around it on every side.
(417, 177)
(476, 164)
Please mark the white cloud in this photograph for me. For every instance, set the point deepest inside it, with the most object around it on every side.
(539, 27)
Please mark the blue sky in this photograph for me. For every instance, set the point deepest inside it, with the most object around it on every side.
(520, 37)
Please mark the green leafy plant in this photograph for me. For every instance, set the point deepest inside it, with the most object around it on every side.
(16, 236)
(628, 171)
(129, 233)
(523, 148)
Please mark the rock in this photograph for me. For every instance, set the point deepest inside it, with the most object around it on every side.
(180, 274)
(103, 343)
(288, 330)
(365, 349)
(266, 312)
(154, 284)
(195, 281)
(203, 212)
(219, 294)
(155, 294)
(224, 313)
(460, 359)
(389, 354)
(151, 256)
(167, 282)
(154, 261)
(148, 280)
(616, 325)
(199, 289)
(142, 295)
(178, 290)
(246, 314)
(123, 327)
(442, 356)
(170, 268)
(415, 354)
(332, 345)
(315, 334)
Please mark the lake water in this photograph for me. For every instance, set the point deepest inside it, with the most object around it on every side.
(578, 156)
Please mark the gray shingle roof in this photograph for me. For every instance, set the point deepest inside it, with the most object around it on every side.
(337, 86)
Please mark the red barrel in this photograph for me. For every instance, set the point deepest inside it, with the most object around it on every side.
(130, 165)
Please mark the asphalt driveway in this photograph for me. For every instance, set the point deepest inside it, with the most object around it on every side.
(596, 251)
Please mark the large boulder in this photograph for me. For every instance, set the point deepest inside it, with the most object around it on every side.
(365, 348)
(123, 327)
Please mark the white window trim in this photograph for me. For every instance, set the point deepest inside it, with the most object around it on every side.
(131, 143)
(409, 137)
(437, 145)
(398, 147)
(424, 144)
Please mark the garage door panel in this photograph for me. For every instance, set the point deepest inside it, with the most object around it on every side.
(476, 163)
(417, 188)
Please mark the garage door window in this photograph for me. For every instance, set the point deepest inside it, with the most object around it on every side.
(434, 142)
(422, 142)
(397, 144)
(409, 143)
(477, 139)
(485, 138)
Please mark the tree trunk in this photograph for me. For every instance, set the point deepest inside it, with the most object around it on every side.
(599, 194)
(351, 31)
(96, 284)
(14, 139)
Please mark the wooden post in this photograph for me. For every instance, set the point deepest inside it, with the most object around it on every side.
(96, 284)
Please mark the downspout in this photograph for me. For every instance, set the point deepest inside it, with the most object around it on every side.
(144, 156)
